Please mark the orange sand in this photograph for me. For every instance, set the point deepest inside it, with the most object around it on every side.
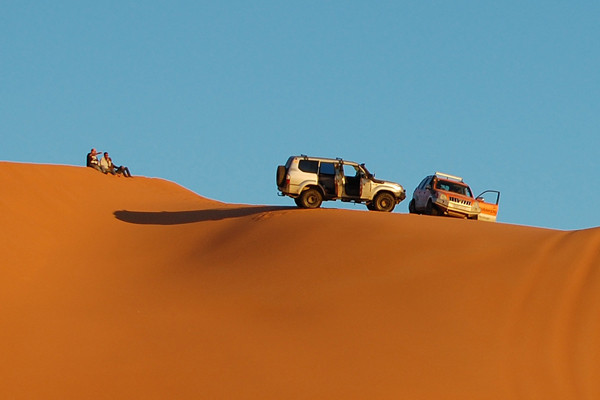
(115, 288)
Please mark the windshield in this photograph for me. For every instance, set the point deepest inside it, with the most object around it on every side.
(454, 187)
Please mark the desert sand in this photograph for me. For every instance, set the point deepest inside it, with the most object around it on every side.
(116, 288)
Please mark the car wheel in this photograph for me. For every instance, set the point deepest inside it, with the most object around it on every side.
(384, 202)
(371, 206)
(280, 175)
(430, 208)
(411, 207)
(311, 198)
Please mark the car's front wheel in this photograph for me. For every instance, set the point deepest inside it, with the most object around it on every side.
(384, 202)
(430, 209)
(310, 198)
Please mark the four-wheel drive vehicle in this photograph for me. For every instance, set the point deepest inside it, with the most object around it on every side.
(310, 180)
(443, 194)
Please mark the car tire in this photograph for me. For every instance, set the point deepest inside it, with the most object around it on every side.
(384, 202)
(280, 175)
(310, 198)
(430, 208)
(411, 207)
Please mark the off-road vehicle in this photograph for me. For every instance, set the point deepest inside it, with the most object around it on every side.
(311, 180)
(444, 194)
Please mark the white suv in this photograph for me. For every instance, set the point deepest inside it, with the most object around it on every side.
(311, 180)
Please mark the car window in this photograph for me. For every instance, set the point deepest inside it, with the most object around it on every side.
(327, 168)
(490, 196)
(308, 166)
(424, 182)
(289, 163)
(350, 170)
(445, 186)
(454, 188)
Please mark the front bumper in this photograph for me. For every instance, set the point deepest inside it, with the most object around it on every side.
(456, 209)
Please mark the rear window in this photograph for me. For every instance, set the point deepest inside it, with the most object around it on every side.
(424, 182)
(308, 166)
(288, 164)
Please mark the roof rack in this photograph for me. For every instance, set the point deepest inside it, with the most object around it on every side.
(448, 176)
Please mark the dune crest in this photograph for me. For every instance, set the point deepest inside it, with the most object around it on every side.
(139, 288)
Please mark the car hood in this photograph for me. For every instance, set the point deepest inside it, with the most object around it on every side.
(387, 182)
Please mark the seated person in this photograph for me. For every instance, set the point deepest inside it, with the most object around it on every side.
(107, 164)
(92, 161)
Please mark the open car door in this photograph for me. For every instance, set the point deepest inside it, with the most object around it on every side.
(488, 202)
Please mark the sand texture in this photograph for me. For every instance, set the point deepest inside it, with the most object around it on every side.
(116, 288)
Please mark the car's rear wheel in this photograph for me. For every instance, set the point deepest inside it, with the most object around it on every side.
(411, 207)
(310, 198)
(384, 202)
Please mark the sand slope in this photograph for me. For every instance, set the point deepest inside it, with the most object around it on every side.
(138, 288)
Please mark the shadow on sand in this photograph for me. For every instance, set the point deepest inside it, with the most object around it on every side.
(188, 217)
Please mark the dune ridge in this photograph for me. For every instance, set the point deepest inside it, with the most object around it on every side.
(139, 288)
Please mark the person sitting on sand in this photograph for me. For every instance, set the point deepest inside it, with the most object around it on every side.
(92, 161)
(107, 164)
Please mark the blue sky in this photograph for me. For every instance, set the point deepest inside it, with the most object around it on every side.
(214, 95)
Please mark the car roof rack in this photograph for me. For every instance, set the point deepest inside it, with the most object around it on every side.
(448, 176)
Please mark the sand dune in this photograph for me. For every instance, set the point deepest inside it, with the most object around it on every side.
(116, 288)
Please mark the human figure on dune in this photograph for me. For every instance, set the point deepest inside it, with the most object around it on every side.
(92, 161)
(107, 165)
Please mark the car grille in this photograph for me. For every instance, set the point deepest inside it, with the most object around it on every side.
(460, 201)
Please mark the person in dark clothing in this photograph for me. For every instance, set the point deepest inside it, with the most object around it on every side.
(92, 161)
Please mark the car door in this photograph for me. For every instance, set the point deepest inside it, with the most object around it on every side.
(488, 202)
(365, 185)
(352, 187)
(327, 178)
(420, 193)
(339, 180)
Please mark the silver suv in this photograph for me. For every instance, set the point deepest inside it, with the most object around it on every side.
(311, 180)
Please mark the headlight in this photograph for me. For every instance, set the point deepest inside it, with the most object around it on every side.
(442, 199)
